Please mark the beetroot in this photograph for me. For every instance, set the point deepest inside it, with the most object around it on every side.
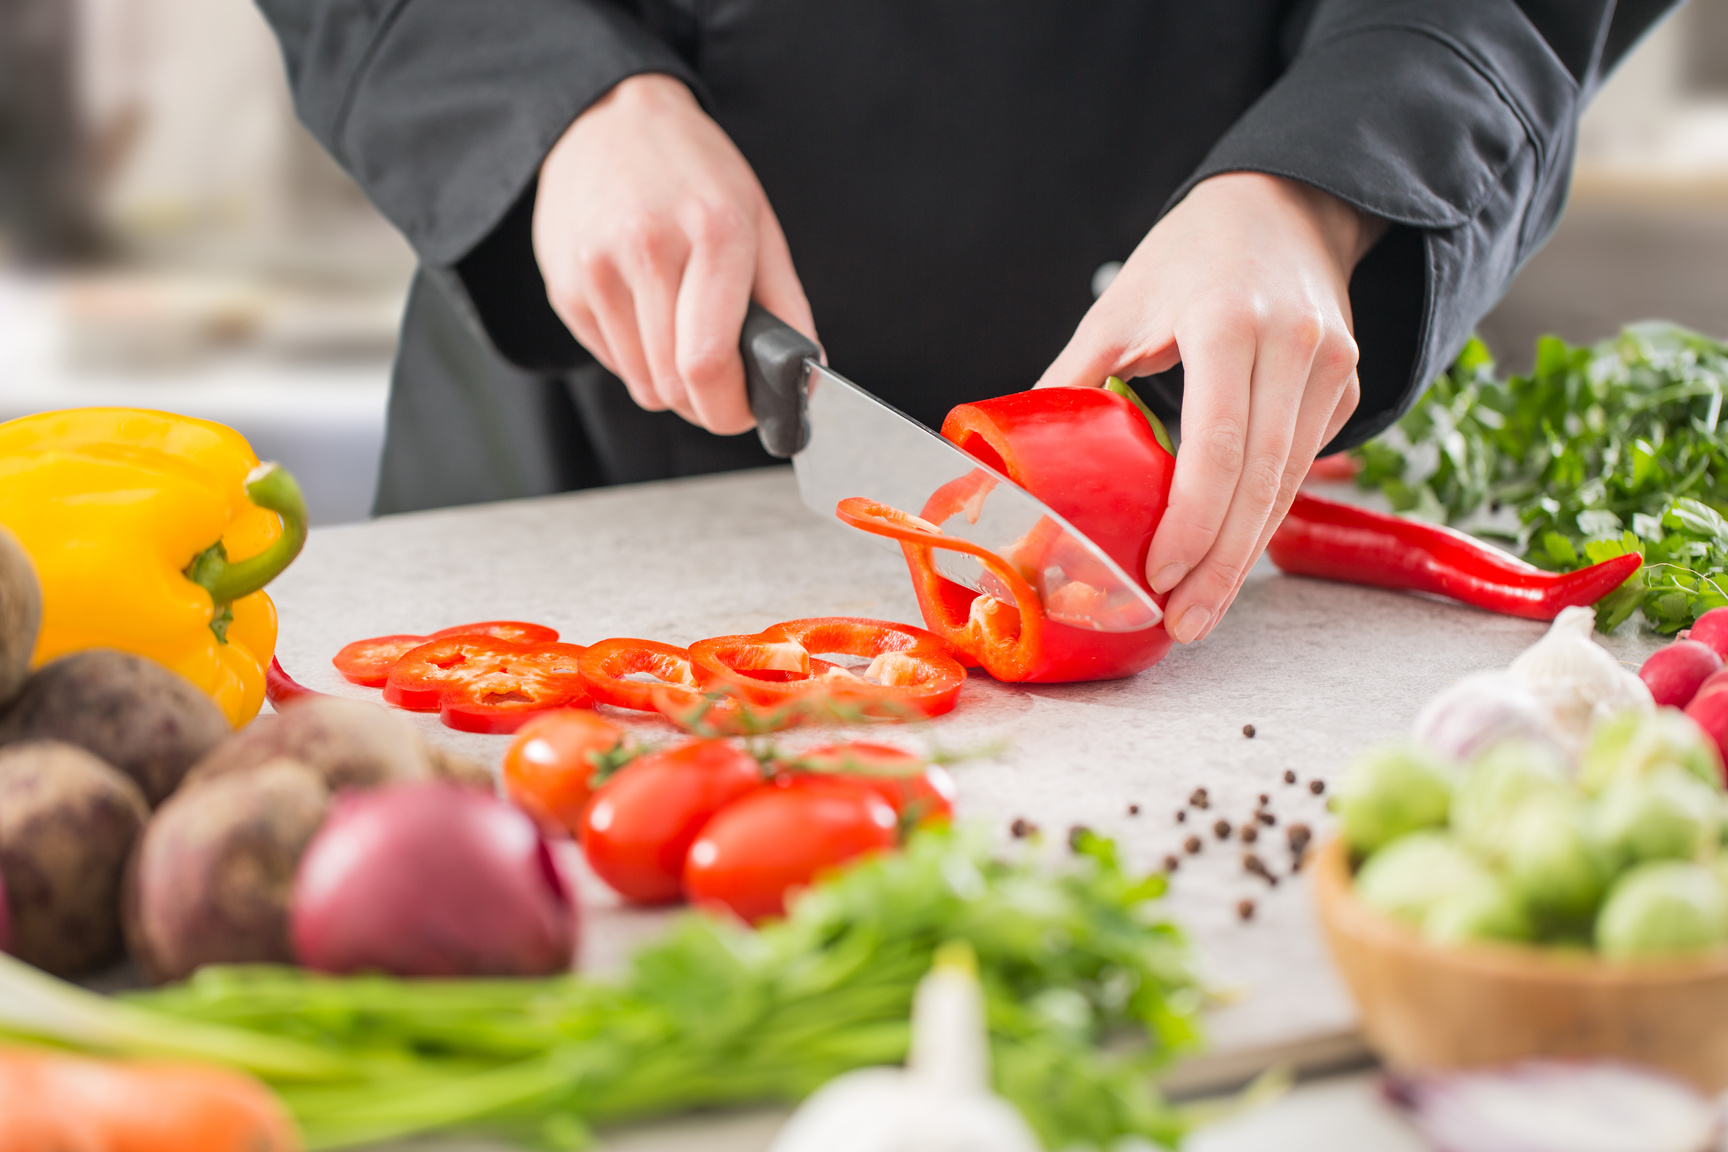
(431, 879)
(1674, 674)
(1712, 630)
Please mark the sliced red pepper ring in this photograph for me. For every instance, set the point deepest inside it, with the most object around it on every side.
(911, 673)
(607, 668)
(481, 684)
(1005, 638)
(368, 662)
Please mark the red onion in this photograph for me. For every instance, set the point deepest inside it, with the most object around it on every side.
(1674, 674)
(1712, 629)
(1559, 1106)
(430, 879)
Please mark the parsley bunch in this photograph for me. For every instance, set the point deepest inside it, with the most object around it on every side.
(1075, 958)
(1598, 452)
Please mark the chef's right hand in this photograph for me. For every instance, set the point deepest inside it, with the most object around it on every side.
(653, 235)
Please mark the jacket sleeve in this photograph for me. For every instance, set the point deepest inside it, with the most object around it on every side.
(442, 111)
(1456, 122)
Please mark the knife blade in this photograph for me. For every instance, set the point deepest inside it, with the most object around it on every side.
(844, 442)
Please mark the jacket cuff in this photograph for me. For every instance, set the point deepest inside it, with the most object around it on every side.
(1451, 121)
(387, 116)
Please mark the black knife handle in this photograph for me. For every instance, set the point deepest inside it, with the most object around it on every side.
(774, 354)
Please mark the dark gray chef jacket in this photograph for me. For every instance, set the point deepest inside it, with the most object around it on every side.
(949, 174)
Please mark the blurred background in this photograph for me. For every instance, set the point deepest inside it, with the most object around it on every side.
(170, 237)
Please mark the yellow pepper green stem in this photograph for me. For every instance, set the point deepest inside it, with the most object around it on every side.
(273, 488)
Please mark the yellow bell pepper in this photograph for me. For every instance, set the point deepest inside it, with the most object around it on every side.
(131, 517)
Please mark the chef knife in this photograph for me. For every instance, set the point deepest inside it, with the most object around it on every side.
(845, 442)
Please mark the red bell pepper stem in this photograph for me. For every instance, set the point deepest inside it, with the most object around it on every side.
(282, 689)
(1333, 541)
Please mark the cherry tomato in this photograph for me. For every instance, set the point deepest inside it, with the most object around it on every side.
(920, 793)
(639, 827)
(757, 849)
(549, 767)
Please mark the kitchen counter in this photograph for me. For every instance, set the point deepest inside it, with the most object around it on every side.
(1318, 669)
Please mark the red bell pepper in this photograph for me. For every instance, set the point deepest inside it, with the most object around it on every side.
(1333, 541)
(911, 671)
(368, 662)
(1094, 457)
(478, 684)
(607, 666)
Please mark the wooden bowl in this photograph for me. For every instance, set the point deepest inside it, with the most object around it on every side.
(1426, 1007)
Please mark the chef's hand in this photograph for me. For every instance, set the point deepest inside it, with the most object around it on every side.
(653, 235)
(1246, 284)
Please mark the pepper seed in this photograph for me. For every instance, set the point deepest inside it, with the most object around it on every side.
(1316, 786)
(1192, 844)
(1289, 776)
(1248, 731)
(1250, 833)
(1245, 909)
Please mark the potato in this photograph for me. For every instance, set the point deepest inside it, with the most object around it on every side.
(214, 873)
(149, 722)
(352, 743)
(67, 823)
(459, 769)
(20, 614)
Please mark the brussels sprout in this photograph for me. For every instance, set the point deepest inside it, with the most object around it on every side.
(1553, 865)
(1662, 909)
(1501, 781)
(1634, 744)
(1410, 875)
(1666, 815)
(1484, 909)
(1390, 791)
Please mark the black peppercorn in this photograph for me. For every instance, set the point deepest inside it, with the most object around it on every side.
(1265, 817)
(1199, 799)
(1245, 909)
(1133, 809)
(1248, 731)
(1316, 786)
(1171, 863)
(1021, 828)
(1076, 835)
(1249, 834)
(1192, 844)
(1289, 776)
(1221, 829)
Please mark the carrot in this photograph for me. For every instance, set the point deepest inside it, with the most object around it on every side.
(52, 1102)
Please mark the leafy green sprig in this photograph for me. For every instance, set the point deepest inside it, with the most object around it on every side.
(1596, 452)
(714, 1014)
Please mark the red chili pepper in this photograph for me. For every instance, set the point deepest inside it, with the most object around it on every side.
(1095, 459)
(478, 684)
(282, 689)
(1333, 541)
(368, 662)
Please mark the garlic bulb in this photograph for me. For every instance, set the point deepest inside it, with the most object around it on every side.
(1479, 711)
(941, 1101)
(1575, 680)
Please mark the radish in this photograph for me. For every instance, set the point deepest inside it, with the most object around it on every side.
(1675, 673)
(1712, 630)
(1709, 710)
(1558, 1106)
(431, 879)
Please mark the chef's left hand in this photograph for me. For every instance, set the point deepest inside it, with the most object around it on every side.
(1246, 284)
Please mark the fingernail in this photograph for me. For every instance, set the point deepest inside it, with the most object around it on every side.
(1168, 577)
(1190, 625)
